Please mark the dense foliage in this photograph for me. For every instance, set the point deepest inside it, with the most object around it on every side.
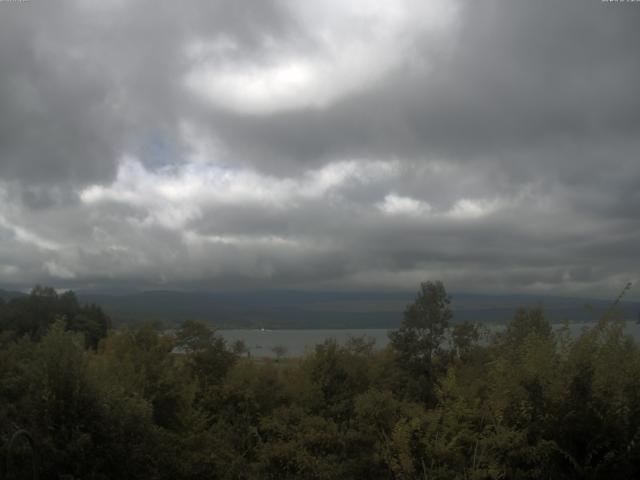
(33, 315)
(443, 401)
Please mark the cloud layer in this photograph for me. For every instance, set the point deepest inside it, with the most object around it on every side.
(328, 145)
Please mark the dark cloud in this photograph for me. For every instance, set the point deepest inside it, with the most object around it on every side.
(519, 77)
(82, 80)
(272, 143)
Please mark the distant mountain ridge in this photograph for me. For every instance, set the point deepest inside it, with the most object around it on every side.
(303, 309)
(9, 294)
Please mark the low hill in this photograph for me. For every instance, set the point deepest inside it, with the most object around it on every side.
(296, 309)
(9, 294)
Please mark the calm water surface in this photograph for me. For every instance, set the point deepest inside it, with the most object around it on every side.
(297, 342)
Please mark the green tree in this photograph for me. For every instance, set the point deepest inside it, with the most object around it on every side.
(527, 321)
(420, 337)
(333, 377)
(33, 315)
(464, 337)
(206, 352)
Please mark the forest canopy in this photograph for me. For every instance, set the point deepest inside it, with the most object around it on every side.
(443, 400)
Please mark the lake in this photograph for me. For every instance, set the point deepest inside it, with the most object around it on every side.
(296, 342)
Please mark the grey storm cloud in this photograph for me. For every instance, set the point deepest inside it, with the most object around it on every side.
(325, 145)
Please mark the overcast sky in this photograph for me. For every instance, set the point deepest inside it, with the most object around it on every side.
(324, 145)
